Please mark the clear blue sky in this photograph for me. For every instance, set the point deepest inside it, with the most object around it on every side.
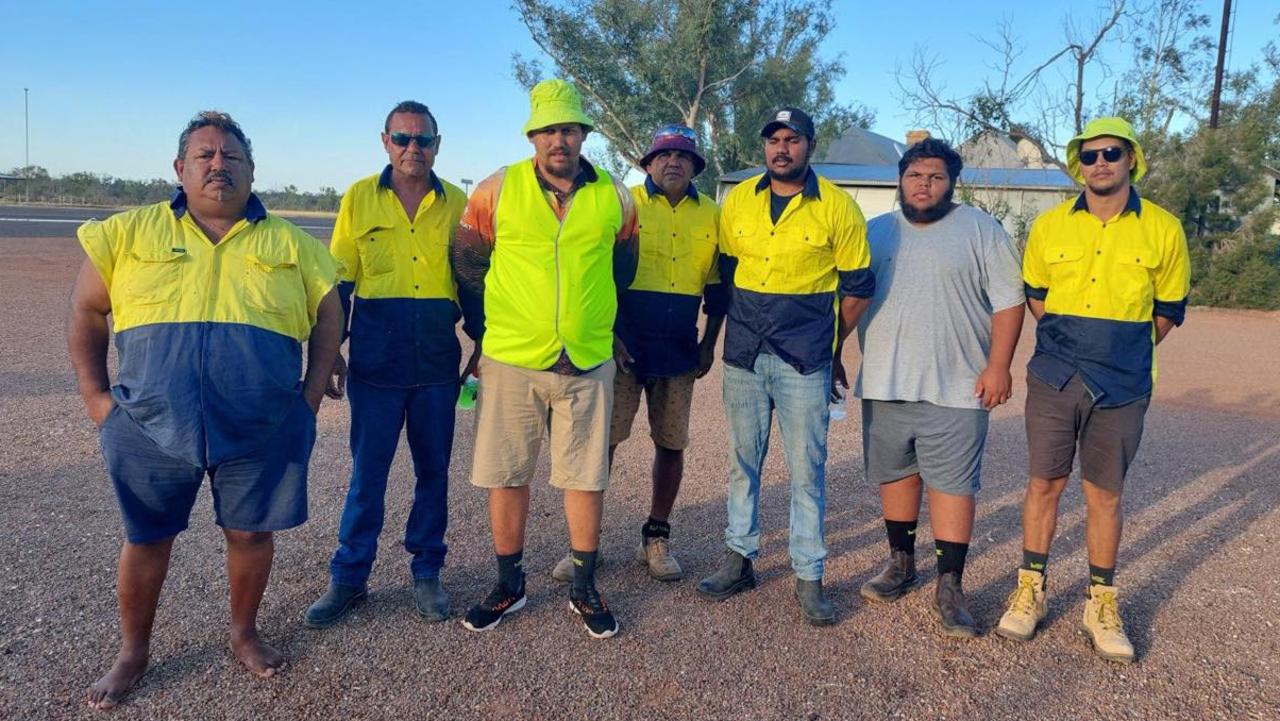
(112, 83)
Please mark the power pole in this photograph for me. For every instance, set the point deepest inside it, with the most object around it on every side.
(1222, 61)
(26, 141)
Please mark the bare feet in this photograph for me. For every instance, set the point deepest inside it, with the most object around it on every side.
(258, 657)
(109, 690)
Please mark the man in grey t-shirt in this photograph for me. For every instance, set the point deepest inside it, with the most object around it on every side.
(936, 342)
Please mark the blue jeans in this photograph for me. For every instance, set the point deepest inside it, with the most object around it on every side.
(801, 402)
(377, 415)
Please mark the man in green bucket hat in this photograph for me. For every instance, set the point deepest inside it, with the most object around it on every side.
(1107, 276)
(546, 243)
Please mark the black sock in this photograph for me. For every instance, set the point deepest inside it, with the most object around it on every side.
(584, 570)
(511, 570)
(1099, 576)
(951, 556)
(653, 528)
(902, 535)
(1033, 561)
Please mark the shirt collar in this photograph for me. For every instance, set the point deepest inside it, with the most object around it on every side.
(254, 210)
(384, 181)
(1132, 204)
(652, 189)
(810, 184)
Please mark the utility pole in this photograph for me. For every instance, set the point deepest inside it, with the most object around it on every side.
(26, 140)
(1222, 61)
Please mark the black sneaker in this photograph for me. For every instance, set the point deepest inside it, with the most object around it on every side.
(487, 614)
(594, 612)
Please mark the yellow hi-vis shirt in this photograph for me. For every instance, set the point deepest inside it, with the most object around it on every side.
(786, 278)
(1103, 283)
(397, 286)
(209, 337)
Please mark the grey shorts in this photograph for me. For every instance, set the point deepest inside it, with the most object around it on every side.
(944, 445)
(1058, 420)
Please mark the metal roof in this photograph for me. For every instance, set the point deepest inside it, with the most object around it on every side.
(858, 146)
(887, 175)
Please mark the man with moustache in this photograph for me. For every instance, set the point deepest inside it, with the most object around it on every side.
(794, 254)
(1107, 276)
(657, 351)
(546, 243)
(392, 238)
(210, 298)
(936, 342)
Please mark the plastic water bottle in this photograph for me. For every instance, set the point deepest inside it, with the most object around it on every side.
(836, 407)
(467, 394)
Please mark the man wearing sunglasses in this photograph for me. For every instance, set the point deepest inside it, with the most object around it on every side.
(392, 239)
(794, 254)
(1107, 276)
(657, 352)
(546, 243)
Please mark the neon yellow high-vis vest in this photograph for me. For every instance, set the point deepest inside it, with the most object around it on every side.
(550, 282)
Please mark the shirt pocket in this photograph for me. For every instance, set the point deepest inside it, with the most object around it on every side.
(272, 283)
(1134, 280)
(1066, 267)
(377, 251)
(151, 276)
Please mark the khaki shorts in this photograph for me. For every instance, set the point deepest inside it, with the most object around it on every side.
(668, 399)
(516, 407)
(1060, 420)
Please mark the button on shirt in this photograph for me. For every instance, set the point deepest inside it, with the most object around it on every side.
(209, 336)
(658, 313)
(397, 285)
(1102, 284)
(786, 277)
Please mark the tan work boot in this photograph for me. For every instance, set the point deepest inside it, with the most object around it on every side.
(1102, 623)
(656, 554)
(1026, 607)
(563, 572)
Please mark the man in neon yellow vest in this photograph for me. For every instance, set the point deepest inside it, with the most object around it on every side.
(546, 243)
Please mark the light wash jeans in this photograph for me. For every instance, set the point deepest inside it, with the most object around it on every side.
(801, 402)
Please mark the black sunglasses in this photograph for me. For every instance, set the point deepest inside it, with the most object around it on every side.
(403, 140)
(1110, 154)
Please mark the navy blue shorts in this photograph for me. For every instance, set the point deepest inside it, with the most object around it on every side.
(265, 491)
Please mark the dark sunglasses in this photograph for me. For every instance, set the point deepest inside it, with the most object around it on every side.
(1112, 154)
(683, 131)
(403, 140)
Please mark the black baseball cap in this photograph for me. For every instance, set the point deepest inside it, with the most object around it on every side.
(794, 118)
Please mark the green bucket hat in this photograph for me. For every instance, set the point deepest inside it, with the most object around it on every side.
(1114, 127)
(552, 102)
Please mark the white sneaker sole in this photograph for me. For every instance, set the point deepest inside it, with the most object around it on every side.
(513, 608)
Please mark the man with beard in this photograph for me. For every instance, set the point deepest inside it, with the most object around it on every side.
(936, 342)
(392, 238)
(657, 350)
(794, 254)
(546, 243)
(1107, 276)
(210, 298)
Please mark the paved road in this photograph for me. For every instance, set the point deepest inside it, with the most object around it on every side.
(38, 221)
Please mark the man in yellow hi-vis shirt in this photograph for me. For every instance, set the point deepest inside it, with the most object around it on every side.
(210, 298)
(1107, 276)
(392, 238)
(795, 257)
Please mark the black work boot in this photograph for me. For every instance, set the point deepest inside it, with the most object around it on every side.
(733, 576)
(898, 576)
(952, 609)
(814, 604)
(334, 604)
(431, 599)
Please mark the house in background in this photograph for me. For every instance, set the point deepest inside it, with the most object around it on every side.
(1007, 179)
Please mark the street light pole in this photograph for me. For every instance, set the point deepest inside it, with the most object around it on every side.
(26, 140)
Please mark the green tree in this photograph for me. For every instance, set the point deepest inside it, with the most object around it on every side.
(717, 66)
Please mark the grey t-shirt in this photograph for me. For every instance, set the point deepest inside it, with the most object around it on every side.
(927, 333)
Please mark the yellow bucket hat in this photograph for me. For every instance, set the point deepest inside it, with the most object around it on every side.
(1114, 127)
(552, 102)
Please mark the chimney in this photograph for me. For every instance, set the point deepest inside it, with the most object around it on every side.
(916, 136)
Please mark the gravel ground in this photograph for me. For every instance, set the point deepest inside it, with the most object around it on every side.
(1199, 582)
